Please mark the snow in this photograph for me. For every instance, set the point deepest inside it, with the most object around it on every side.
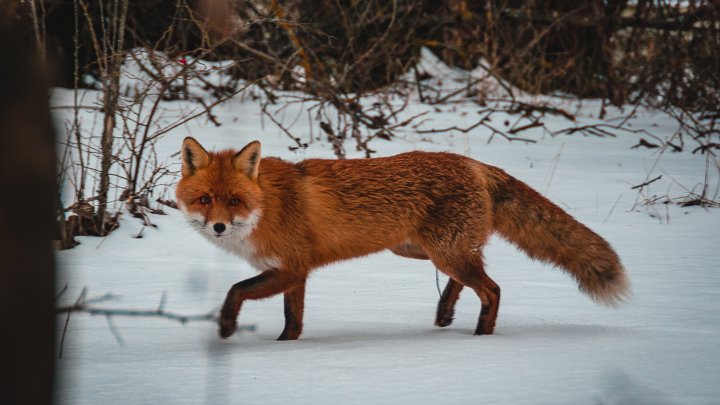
(369, 334)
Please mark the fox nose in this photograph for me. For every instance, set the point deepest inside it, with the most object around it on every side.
(219, 227)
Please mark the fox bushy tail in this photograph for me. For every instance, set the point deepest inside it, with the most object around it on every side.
(547, 233)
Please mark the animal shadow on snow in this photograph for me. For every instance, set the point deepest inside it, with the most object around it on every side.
(390, 334)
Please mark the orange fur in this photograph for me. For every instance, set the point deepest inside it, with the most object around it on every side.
(288, 219)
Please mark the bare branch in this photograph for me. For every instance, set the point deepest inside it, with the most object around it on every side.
(86, 305)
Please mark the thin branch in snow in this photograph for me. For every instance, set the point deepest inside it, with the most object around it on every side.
(646, 183)
(115, 331)
(83, 304)
(612, 209)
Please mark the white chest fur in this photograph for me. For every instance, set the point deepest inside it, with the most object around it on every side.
(244, 248)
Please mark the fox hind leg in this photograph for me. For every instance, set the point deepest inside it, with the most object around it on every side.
(446, 305)
(490, 297)
(469, 273)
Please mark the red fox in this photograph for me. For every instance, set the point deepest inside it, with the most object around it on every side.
(287, 219)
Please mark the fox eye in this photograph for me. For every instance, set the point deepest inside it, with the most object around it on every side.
(234, 202)
(204, 200)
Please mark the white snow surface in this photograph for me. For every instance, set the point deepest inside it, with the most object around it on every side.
(369, 336)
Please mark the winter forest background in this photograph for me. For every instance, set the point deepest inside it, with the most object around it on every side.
(609, 108)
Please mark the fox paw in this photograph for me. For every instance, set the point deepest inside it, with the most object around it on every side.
(444, 317)
(286, 334)
(227, 327)
(443, 321)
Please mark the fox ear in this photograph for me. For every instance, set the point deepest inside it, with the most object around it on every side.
(193, 156)
(247, 160)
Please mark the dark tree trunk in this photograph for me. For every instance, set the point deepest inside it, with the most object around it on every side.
(27, 181)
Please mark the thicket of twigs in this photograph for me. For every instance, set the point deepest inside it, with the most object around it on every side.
(664, 53)
(340, 54)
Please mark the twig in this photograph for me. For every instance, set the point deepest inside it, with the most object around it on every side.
(541, 108)
(76, 107)
(473, 126)
(613, 208)
(437, 281)
(524, 127)
(551, 175)
(211, 117)
(168, 203)
(590, 129)
(79, 300)
(645, 144)
(114, 331)
(184, 120)
(295, 139)
(82, 304)
(140, 233)
(62, 291)
(646, 183)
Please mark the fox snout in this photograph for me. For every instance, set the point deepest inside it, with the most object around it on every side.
(237, 227)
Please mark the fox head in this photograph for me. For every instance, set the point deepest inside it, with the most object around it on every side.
(219, 192)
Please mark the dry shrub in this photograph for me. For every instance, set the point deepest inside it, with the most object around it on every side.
(356, 46)
(669, 55)
(651, 51)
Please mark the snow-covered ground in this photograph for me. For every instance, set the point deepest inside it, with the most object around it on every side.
(369, 334)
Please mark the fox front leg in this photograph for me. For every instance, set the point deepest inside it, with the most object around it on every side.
(266, 284)
(294, 305)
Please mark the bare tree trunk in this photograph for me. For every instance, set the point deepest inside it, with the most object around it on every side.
(110, 104)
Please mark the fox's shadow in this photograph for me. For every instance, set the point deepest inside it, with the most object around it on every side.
(401, 335)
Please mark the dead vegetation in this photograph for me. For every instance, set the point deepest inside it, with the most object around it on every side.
(93, 306)
(354, 67)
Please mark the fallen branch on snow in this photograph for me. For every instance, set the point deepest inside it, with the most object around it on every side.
(84, 304)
